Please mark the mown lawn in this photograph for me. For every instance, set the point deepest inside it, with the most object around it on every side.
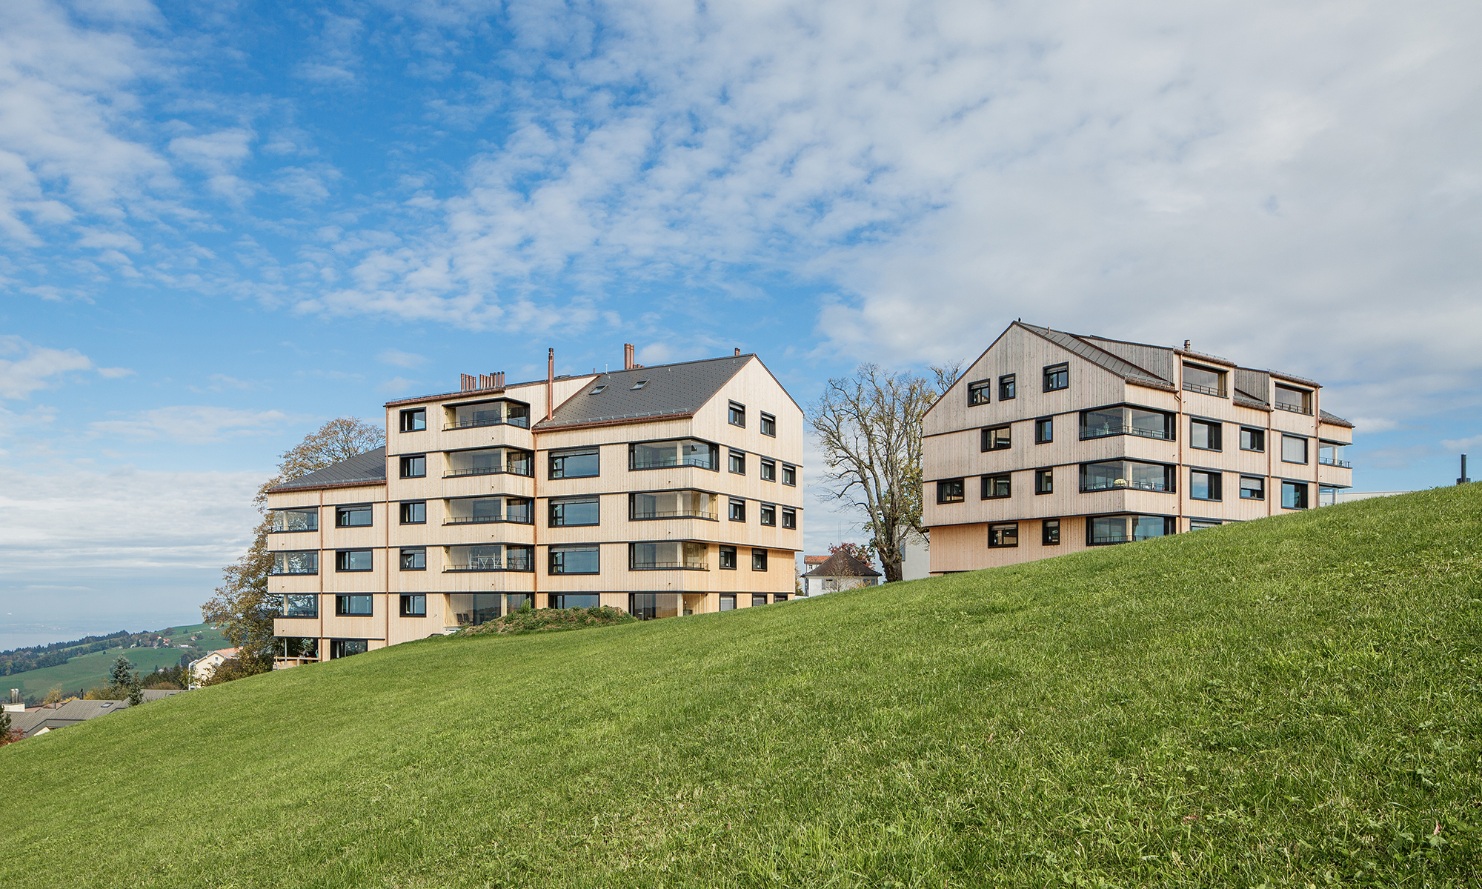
(1288, 702)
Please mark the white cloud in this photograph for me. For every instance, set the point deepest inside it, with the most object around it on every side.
(219, 155)
(25, 368)
(398, 358)
(186, 424)
(1462, 444)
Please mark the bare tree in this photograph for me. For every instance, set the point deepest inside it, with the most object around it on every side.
(869, 428)
(240, 606)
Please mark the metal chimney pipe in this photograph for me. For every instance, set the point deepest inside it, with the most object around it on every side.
(1463, 480)
(550, 383)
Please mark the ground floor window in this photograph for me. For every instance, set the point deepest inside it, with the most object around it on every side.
(1293, 495)
(758, 599)
(1105, 530)
(575, 600)
(727, 601)
(339, 648)
(414, 605)
(1050, 532)
(650, 606)
(1003, 535)
(780, 597)
(1202, 524)
(472, 609)
(1327, 495)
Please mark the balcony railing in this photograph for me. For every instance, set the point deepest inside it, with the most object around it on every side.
(1294, 408)
(1207, 390)
(1333, 461)
(1105, 431)
(285, 663)
(292, 570)
(662, 463)
(640, 565)
(490, 563)
(640, 514)
(475, 422)
(485, 520)
(488, 470)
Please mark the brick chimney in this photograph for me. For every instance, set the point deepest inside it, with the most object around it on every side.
(627, 356)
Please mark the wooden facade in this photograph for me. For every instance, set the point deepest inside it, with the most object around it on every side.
(1049, 452)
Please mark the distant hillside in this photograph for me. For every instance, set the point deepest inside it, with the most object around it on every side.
(1289, 702)
(84, 663)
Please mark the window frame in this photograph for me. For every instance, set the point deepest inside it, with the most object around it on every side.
(989, 441)
(1260, 481)
(722, 552)
(1049, 533)
(736, 462)
(1214, 431)
(789, 475)
(1306, 450)
(1003, 535)
(344, 601)
(736, 414)
(767, 511)
(413, 551)
(1296, 486)
(561, 454)
(407, 463)
(407, 508)
(736, 509)
(1214, 479)
(945, 487)
(553, 502)
(1008, 387)
(555, 550)
(1054, 373)
(342, 559)
(759, 559)
(992, 484)
(789, 518)
(1044, 430)
(767, 424)
(1256, 436)
(1044, 481)
(408, 604)
(407, 421)
(979, 392)
(344, 512)
(767, 469)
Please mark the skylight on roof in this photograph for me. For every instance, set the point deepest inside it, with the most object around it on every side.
(599, 389)
(640, 384)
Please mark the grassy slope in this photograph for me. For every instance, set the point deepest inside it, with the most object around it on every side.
(88, 670)
(1290, 701)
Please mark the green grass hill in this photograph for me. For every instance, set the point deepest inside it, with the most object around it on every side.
(1291, 702)
(84, 671)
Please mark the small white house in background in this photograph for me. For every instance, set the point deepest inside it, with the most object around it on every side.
(839, 571)
(202, 669)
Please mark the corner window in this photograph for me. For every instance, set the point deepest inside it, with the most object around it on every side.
(1252, 439)
(414, 605)
(286, 520)
(950, 491)
(979, 392)
(567, 512)
(414, 512)
(759, 563)
(768, 470)
(358, 516)
(768, 513)
(1204, 435)
(1044, 481)
(1293, 449)
(1007, 388)
(358, 605)
(738, 463)
(789, 474)
(1126, 420)
(414, 558)
(1293, 495)
(414, 420)
(728, 562)
(674, 452)
(1003, 535)
(1116, 475)
(1057, 377)
(996, 438)
(1252, 488)
(353, 560)
(414, 466)
(789, 518)
(1204, 485)
(575, 463)
(1108, 530)
(737, 510)
(574, 560)
(997, 487)
(1044, 430)
(769, 424)
(1049, 534)
(736, 414)
(303, 562)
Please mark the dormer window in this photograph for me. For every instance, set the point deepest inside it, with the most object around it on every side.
(1290, 398)
(1207, 380)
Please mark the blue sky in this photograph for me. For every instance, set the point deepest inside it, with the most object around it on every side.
(222, 224)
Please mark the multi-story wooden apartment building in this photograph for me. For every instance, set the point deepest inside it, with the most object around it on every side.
(1052, 442)
(666, 490)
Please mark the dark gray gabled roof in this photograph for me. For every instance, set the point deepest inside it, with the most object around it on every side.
(1101, 356)
(667, 390)
(1334, 419)
(362, 469)
(841, 564)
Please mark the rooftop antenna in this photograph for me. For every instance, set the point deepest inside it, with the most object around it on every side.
(1463, 480)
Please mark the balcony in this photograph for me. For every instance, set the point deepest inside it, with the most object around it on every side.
(290, 563)
(494, 461)
(1203, 390)
(1334, 461)
(1123, 420)
(463, 559)
(672, 454)
(645, 514)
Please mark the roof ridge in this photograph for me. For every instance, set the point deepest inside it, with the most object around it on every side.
(1081, 338)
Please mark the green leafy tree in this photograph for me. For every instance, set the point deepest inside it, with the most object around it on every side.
(240, 606)
(121, 675)
(869, 429)
(5, 730)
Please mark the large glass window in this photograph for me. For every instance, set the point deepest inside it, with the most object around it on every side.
(574, 559)
(575, 463)
(1057, 376)
(1103, 530)
(1005, 534)
(1126, 420)
(353, 560)
(339, 648)
(296, 563)
(300, 605)
(1293, 495)
(489, 557)
(685, 554)
(1205, 435)
(575, 600)
(567, 512)
(295, 520)
(483, 510)
(996, 438)
(357, 516)
(488, 461)
(1205, 485)
(1126, 474)
(472, 609)
(1293, 449)
(1252, 488)
(1204, 379)
(491, 413)
(651, 606)
(354, 605)
(979, 392)
(680, 452)
(1289, 398)
(670, 505)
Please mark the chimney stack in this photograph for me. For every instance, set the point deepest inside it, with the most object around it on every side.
(738, 351)
(1463, 480)
(1188, 344)
(550, 383)
(466, 383)
(627, 356)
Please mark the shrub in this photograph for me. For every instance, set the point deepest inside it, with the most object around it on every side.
(548, 620)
